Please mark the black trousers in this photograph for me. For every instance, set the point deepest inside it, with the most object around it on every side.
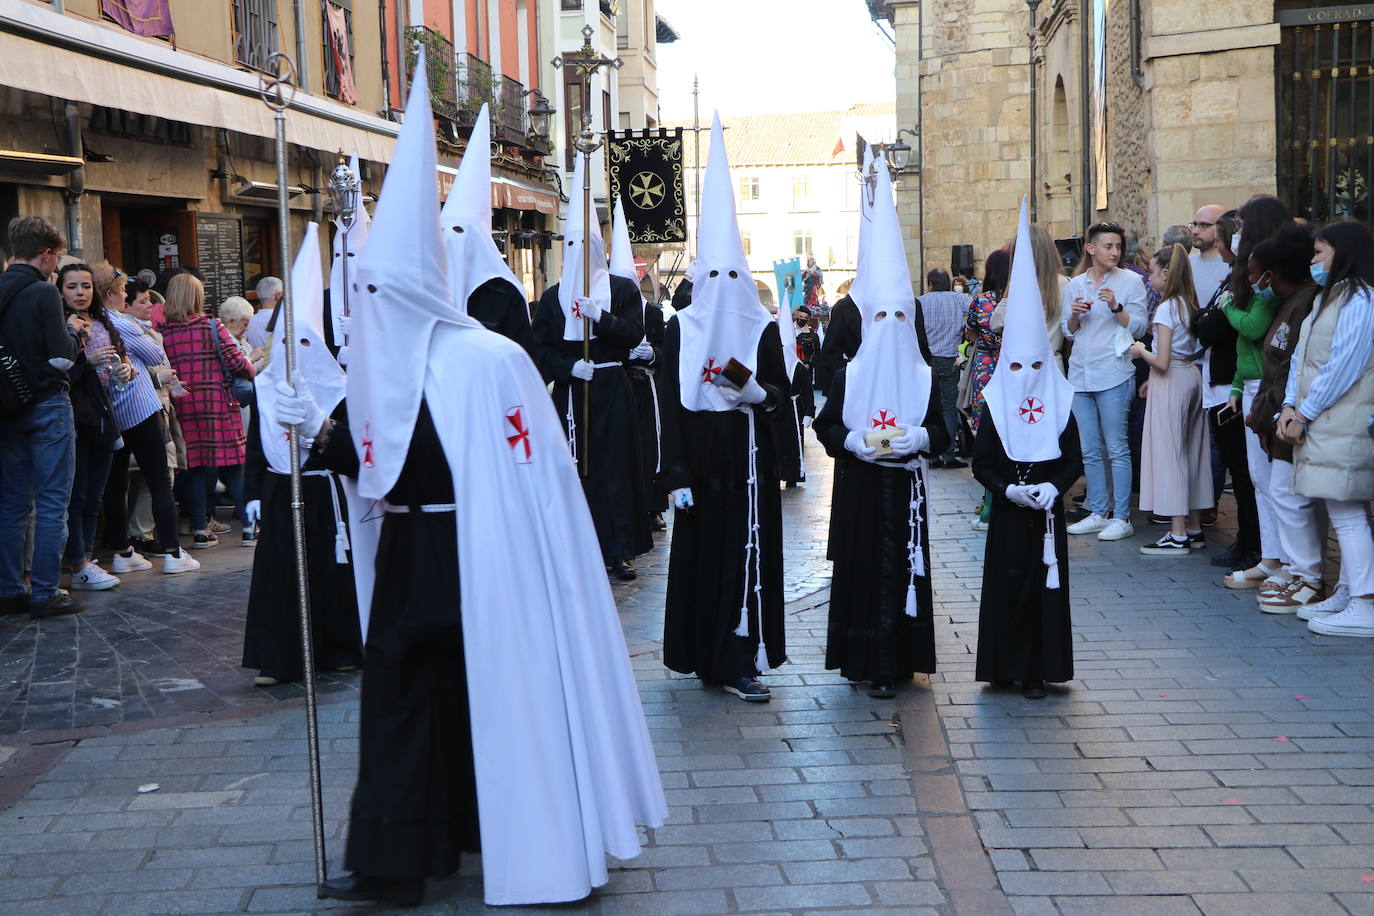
(145, 443)
(1228, 441)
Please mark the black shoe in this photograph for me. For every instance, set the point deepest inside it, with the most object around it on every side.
(393, 891)
(658, 522)
(1167, 546)
(1033, 690)
(59, 605)
(882, 690)
(1236, 557)
(748, 689)
(14, 604)
(623, 571)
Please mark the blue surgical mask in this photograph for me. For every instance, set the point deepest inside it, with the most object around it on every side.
(1320, 274)
(1262, 293)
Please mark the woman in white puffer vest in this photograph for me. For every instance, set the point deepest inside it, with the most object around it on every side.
(1325, 410)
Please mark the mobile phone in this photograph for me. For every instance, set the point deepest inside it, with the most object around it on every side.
(1227, 414)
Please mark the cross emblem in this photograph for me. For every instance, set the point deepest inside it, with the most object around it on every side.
(576, 309)
(647, 190)
(368, 462)
(884, 419)
(521, 435)
(710, 371)
(1032, 410)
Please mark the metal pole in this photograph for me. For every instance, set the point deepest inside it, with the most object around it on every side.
(278, 90)
(696, 165)
(1034, 112)
(586, 285)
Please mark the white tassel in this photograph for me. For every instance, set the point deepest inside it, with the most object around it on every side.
(1048, 555)
(761, 658)
(918, 565)
(911, 600)
(743, 628)
(1052, 578)
(340, 549)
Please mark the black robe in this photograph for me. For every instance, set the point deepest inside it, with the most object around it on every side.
(643, 380)
(615, 482)
(1024, 630)
(682, 295)
(272, 632)
(707, 576)
(804, 378)
(869, 637)
(414, 809)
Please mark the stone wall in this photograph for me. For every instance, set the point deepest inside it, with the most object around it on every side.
(1129, 178)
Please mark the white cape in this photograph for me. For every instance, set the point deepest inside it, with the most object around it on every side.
(563, 760)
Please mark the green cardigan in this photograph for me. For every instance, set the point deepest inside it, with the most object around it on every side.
(1253, 327)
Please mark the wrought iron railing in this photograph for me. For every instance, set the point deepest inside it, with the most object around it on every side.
(511, 114)
(475, 87)
(441, 64)
(255, 32)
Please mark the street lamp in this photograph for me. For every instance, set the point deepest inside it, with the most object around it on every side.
(540, 115)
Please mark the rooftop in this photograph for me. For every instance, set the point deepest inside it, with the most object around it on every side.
(801, 138)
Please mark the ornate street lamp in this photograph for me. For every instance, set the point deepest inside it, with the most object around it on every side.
(541, 113)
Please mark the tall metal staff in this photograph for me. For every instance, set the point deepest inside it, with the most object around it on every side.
(278, 89)
(588, 64)
(345, 191)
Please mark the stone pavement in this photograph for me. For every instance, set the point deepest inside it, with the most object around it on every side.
(1208, 759)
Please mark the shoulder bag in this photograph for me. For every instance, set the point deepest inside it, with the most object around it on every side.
(240, 386)
(16, 392)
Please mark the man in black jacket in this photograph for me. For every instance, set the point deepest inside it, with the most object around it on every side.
(37, 445)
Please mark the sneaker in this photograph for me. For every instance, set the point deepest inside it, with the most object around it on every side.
(1090, 525)
(1332, 605)
(1166, 546)
(59, 605)
(1297, 593)
(133, 561)
(1159, 519)
(215, 526)
(250, 536)
(1197, 540)
(185, 563)
(978, 524)
(151, 550)
(748, 689)
(1209, 518)
(263, 680)
(1356, 620)
(204, 539)
(91, 578)
(1115, 530)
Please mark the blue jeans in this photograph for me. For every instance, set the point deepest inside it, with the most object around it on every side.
(1101, 418)
(37, 460)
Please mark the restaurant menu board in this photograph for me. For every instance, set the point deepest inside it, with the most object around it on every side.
(219, 247)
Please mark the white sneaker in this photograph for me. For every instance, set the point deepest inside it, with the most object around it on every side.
(1090, 525)
(92, 578)
(1115, 530)
(977, 524)
(185, 563)
(1333, 605)
(134, 562)
(1356, 620)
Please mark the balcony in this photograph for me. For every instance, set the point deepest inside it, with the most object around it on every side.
(440, 61)
(512, 121)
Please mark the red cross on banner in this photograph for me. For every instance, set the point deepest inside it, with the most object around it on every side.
(710, 371)
(884, 419)
(1032, 410)
(520, 439)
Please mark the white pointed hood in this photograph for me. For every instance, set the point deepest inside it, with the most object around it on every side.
(473, 257)
(726, 317)
(313, 360)
(402, 295)
(570, 282)
(1027, 397)
(867, 196)
(622, 250)
(887, 384)
(357, 238)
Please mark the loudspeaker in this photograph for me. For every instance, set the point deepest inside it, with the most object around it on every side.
(961, 260)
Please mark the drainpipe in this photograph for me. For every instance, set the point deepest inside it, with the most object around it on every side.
(302, 71)
(1085, 164)
(76, 181)
(386, 67)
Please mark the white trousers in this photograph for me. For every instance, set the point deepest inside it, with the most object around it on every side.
(1260, 471)
(1351, 521)
(1302, 532)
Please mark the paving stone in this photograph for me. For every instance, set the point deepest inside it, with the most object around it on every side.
(716, 876)
(795, 897)
(1250, 903)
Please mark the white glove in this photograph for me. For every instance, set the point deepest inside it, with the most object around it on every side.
(643, 351)
(751, 393)
(296, 407)
(682, 498)
(583, 370)
(1020, 494)
(806, 422)
(855, 443)
(587, 308)
(343, 357)
(344, 324)
(912, 440)
(252, 512)
(1044, 494)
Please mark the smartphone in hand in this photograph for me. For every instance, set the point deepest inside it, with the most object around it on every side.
(1227, 414)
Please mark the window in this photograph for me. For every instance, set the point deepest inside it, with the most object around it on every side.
(338, 49)
(749, 189)
(255, 32)
(571, 5)
(851, 249)
(747, 239)
(801, 241)
(572, 110)
(801, 192)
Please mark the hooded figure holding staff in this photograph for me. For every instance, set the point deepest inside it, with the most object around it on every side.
(498, 700)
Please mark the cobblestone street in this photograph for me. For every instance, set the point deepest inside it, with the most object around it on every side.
(1208, 759)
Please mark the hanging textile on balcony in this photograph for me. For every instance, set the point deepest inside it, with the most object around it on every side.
(339, 46)
(646, 173)
(152, 18)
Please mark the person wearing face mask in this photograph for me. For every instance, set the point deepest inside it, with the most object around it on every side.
(1326, 404)
(883, 419)
(1027, 455)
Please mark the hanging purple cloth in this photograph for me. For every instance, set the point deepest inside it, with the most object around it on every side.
(152, 18)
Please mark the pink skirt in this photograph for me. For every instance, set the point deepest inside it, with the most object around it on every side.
(1175, 466)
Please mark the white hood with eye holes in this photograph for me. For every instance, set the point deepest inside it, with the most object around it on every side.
(726, 317)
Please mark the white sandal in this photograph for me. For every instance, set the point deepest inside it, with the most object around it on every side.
(1239, 579)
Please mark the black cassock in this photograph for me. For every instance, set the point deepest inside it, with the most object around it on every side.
(709, 452)
(1024, 630)
(870, 638)
(272, 630)
(414, 810)
(804, 378)
(615, 484)
(644, 381)
(842, 338)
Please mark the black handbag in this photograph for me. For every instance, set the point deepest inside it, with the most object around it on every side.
(240, 386)
(16, 392)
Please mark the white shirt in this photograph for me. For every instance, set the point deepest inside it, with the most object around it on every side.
(1094, 364)
(1182, 343)
(257, 334)
(1208, 275)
